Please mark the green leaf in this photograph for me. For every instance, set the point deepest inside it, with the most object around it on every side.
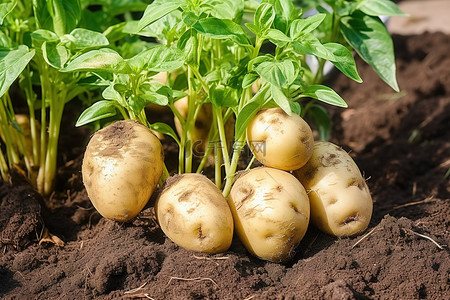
(324, 94)
(155, 11)
(12, 63)
(264, 17)
(279, 73)
(380, 8)
(55, 54)
(189, 18)
(300, 27)
(224, 9)
(44, 35)
(344, 60)
(165, 129)
(285, 12)
(309, 44)
(319, 117)
(246, 114)
(277, 37)
(280, 99)
(65, 15)
(221, 96)
(81, 38)
(99, 110)
(249, 78)
(43, 18)
(371, 40)
(157, 59)
(6, 9)
(222, 29)
(97, 60)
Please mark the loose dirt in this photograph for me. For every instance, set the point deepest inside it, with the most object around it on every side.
(401, 142)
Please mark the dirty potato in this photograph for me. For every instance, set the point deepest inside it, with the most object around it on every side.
(193, 213)
(271, 212)
(341, 204)
(121, 168)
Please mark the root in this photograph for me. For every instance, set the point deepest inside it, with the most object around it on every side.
(210, 258)
(136, 289)
(364, 237)
(425, 237)
(426, 200)
(192, 279)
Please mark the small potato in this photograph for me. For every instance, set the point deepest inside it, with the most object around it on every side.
(193, 213)
(271, 212)
(341, 204)
(121, 168)
(280, 141)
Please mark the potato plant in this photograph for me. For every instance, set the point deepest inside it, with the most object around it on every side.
(240, 64)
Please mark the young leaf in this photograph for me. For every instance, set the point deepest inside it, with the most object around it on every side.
(83, 38)
(309, 44)
(12, 63)
(158, 59)
(65, 15)
(344, 60)
(371, 40)
(246, 114)
(155, 11)
(277, 37)
(300, 27)
(319, 117)
(165, 129)
(44, 35)
(97, 60)
(279, 73)
(280, 99)
(99, 110)
(42, 15)
(380, 8)
(55, 54)
(324, 94)
(249, 78)
(222, 29)
(6, 9)
(284, 13)
(264, 17)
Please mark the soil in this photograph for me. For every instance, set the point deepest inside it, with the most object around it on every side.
(401, 142)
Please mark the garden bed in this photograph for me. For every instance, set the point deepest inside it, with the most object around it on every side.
(400, 141)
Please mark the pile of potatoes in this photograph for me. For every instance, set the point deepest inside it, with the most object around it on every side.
(269, 207)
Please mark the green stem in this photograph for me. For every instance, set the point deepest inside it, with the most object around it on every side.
(4, 167)
(223, 139)
(230, 176)
(31, 98)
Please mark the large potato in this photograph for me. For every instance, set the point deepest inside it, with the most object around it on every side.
(341, 204)
(121, 168)
(271, 212)
(193, 213)
(280, 141)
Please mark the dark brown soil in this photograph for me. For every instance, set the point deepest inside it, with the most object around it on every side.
(401, 143)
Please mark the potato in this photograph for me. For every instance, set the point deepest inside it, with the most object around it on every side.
(121, 168)
(280, 141)
(271, 212)
(193, 213)
(341, 204)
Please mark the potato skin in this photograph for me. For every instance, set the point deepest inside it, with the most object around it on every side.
(121, 168)
(341, 204)
(271, 212)
(194, 214)
(280, 141)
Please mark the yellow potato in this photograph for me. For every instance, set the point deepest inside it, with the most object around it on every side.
(280, 141)
(121, 168)
(193, 213)
(271, 212)
(341, 204)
